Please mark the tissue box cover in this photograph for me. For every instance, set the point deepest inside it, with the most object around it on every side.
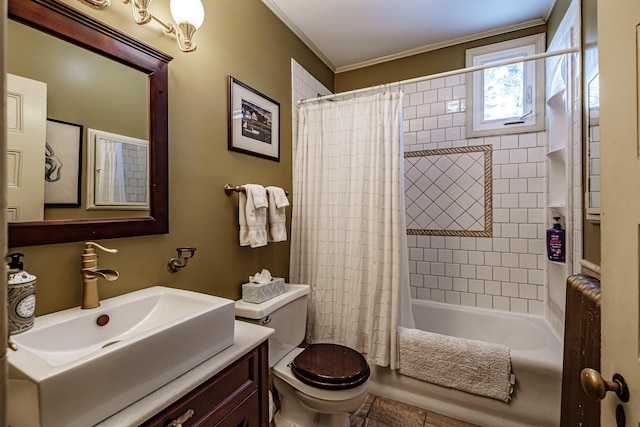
(261, 292)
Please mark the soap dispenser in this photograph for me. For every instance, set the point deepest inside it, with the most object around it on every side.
(556, 242)
(22, 296)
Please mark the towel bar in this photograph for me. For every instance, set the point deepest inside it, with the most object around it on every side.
(228, 189)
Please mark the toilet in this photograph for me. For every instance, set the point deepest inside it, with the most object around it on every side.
(318, 385)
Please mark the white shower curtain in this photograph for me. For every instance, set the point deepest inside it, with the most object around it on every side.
(110, 186)
(348, 237)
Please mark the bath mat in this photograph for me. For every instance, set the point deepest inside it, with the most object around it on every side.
(468, 365)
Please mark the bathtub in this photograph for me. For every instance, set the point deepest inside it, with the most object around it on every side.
(536, 358)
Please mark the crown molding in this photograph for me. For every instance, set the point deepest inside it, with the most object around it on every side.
(299, 33)
(435, 46)
(280, 14)
(550, 7)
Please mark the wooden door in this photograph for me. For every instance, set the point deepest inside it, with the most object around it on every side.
(581, 350)
(26, 104)
(618, 36)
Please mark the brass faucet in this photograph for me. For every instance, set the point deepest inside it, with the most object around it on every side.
(91, 273)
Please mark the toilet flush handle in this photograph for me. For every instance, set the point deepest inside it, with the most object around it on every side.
(266, 320)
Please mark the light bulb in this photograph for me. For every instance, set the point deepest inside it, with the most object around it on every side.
(187, 11)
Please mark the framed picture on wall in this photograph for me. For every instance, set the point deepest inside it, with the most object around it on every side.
(63, 164)
(254, 122)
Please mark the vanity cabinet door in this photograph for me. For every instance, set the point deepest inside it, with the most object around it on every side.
(235, 395)
(244, 415)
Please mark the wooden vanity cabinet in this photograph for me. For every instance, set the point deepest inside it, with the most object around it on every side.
(235, 397)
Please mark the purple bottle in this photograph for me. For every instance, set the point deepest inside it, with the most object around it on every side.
(556, 242)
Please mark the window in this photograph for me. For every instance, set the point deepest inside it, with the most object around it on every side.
(507, 98)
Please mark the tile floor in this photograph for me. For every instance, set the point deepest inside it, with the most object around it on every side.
(381, 412)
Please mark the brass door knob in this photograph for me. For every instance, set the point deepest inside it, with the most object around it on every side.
(597, 387)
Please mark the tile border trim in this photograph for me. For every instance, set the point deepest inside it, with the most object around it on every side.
(488, 190)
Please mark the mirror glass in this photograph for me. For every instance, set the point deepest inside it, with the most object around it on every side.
(95, 78)
(118, 172)
(85, 90)
(593, 134)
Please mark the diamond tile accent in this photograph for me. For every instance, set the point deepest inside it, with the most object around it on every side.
(449, 191)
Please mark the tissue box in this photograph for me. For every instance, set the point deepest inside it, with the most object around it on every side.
(261, 292)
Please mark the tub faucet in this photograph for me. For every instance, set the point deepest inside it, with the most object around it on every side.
(91, 273)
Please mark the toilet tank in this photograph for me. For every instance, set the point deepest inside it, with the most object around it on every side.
(286, 314)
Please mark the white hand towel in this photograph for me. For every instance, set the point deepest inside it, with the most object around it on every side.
(277, 215)
(259, 194)
(242, 219)
(252, 209)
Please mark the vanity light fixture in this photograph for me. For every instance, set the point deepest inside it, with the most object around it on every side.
(189, 14)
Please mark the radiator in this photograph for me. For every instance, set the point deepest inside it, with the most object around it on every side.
(581, 350)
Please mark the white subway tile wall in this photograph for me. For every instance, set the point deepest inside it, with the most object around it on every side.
(445, 191)
(134, 159)
(568, 34)
(503, 272)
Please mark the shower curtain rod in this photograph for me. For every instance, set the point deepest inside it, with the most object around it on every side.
(445, 74)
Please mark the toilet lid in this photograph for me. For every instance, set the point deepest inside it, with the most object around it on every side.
(330, 366)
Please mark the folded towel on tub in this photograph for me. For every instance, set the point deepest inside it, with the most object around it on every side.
(468, 365)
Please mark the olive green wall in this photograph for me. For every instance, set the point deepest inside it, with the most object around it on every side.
(241, 38)
(432, 62)
(244, 39)
(553, 22)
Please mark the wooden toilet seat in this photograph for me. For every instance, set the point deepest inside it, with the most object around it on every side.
(331, 367)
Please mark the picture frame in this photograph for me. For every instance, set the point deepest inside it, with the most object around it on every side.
(63, 164)
(254, 122)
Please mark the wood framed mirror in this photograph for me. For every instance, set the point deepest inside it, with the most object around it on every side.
(69, 24)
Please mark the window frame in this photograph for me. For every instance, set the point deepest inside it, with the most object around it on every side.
(520, 47)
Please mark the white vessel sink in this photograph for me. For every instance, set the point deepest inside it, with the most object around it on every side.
(71, 371)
